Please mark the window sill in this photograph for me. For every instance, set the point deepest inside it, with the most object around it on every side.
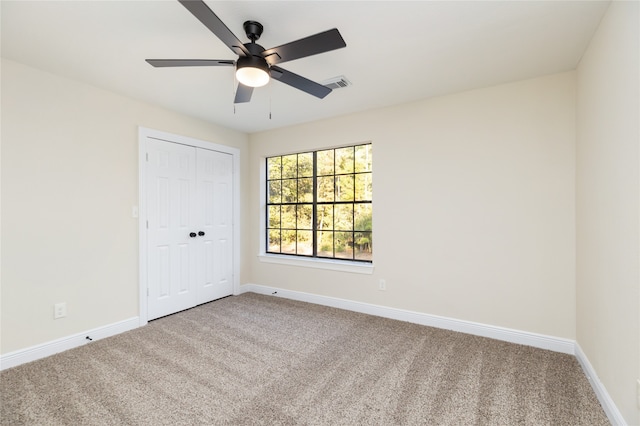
(330, 264)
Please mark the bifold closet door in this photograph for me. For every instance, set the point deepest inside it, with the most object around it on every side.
(189, 244)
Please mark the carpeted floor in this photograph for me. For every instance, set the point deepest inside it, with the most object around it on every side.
(256, 359)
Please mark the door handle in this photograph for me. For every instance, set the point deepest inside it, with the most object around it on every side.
(201, 233)
(192, 234)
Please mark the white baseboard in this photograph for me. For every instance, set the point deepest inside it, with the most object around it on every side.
(541, 341)
(609, 407)
(33, 353)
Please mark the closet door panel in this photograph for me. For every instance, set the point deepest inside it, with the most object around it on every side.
(171, 216)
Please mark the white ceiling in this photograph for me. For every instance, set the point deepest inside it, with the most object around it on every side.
(396, 51)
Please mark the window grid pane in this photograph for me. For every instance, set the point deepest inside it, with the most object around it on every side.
(319, 204)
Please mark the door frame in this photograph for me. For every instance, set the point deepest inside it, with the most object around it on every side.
(143, 135)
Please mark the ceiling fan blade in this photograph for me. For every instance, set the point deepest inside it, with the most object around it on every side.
(299, 82)
(189, 62)
(312, 45)
(205, 15)
(243, 94)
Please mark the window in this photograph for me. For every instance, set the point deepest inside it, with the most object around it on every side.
(319, 204)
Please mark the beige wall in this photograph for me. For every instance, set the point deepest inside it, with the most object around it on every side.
(474, 213)
(69, 181)
(608, 211)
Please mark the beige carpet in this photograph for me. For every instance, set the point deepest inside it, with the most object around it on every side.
(256, 359)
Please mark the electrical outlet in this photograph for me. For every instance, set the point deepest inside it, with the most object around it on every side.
(382, 285)
(638, 392)
(59, 310)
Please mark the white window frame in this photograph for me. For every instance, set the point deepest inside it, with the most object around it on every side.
(306, 262)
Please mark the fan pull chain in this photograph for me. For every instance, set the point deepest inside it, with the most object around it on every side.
(270, 98)
(234, 85)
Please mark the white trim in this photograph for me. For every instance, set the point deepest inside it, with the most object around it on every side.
(334, 265)
(145, 133)
(13, 359)
(609, 407)
(541, 341)
(142, 226)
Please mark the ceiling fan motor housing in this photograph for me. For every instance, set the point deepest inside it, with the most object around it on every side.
(255, 60)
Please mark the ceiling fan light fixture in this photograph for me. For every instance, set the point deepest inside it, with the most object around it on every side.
(252, 71)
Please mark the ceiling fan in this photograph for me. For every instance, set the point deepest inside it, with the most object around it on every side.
(256, 65)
